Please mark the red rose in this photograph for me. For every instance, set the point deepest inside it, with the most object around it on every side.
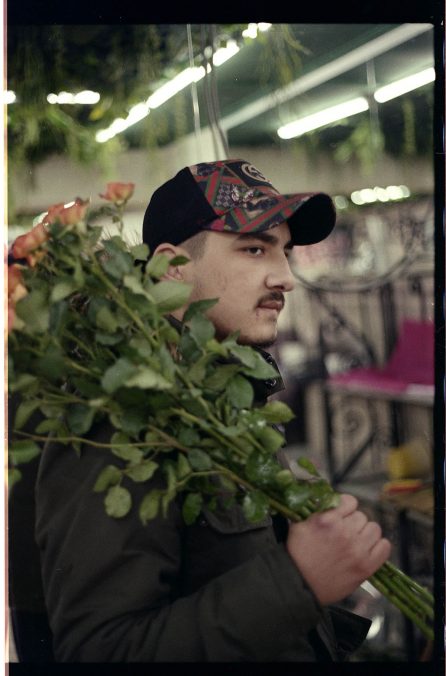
(30, 241)
(67, 215)
(119, 193)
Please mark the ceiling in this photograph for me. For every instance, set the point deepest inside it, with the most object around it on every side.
(290, 71)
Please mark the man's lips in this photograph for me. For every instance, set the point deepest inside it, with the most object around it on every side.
(271, 305)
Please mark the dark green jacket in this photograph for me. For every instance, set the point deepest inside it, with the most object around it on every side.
(221, 590)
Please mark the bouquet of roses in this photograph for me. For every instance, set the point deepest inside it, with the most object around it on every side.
(89, 341)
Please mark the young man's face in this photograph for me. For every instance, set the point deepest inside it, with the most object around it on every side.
(250, 275)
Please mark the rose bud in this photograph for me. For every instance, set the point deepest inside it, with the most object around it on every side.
(16, 290)
(14, 277)
(119, 193)
(67, 215)
(24, 244)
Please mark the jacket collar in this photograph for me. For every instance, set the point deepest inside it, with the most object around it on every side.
(262, 388)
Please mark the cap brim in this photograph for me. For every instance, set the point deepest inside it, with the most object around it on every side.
(311, 217)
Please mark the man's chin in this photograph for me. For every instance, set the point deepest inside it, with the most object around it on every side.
(255, 341)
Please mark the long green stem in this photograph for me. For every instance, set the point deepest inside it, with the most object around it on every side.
(408, 612)
(96, 444)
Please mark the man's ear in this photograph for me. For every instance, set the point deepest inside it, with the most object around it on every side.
(174, 272)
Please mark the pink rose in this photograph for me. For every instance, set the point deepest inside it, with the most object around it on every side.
(30, 241)
(69, 215)
(119, 193)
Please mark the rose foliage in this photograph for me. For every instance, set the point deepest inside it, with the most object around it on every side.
(90, 342)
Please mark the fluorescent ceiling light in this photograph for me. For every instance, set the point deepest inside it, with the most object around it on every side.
(324, 117)
(378, 194)
(179, 82)
(251, 31)
(225, 53)
(9, 96)
(407, 84)
(86, 97)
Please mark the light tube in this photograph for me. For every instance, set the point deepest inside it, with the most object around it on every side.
(225, 53)
(85, 97)
(407, 84)
(179, 82)
(324, 117)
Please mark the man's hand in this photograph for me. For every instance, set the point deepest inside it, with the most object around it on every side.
(337, 550)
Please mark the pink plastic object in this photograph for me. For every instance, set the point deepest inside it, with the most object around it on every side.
(410, 364)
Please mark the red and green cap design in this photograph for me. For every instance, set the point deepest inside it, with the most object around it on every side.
(232, 196)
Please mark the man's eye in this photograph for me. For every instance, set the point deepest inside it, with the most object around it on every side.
(255, 250)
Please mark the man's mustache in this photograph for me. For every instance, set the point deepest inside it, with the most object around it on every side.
(274, 296)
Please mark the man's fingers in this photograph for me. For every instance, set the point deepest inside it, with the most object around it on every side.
(379, 554)
(347, 505)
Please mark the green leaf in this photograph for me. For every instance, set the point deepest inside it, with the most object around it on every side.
(24, 381)
(80, 418)
(157, 266)
(284, 477)
(107, 338)
(150, 505)
(116, 376)
(276, 412)
(188, 436)
(52, 365)
(247, 355)
(58, 316)
(109, 476)
(86, 387)
(34, 311)
(296, 494)
(24, 411)
(140, 252)
(142, 472)
(78, 275)
(222, 375)
(134, 284)
(117, 502)
(183, 466)
(255, 506)
(261, 470)
(120, 263)
(179, 260)
(192, 507)
(240, 392)
(128, 453)
(106, 320)
(49, 425)
(306, 464)
(14, 475)
(199, 460)
(170, 295)
(122, 449)
(62, 289)
(197, 371)
(270, 438)
(24, 451)
(148, 379)
(201, 329)
(255, 365)
(199, 307)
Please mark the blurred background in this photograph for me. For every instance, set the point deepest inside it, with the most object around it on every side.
(343, 108)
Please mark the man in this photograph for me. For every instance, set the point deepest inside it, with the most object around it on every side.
(223, 589)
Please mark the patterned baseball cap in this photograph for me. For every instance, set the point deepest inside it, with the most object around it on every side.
(232, 196)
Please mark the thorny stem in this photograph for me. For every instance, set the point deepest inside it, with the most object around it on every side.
(96, 444)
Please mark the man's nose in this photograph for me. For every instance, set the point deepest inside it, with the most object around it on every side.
(281, 277)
